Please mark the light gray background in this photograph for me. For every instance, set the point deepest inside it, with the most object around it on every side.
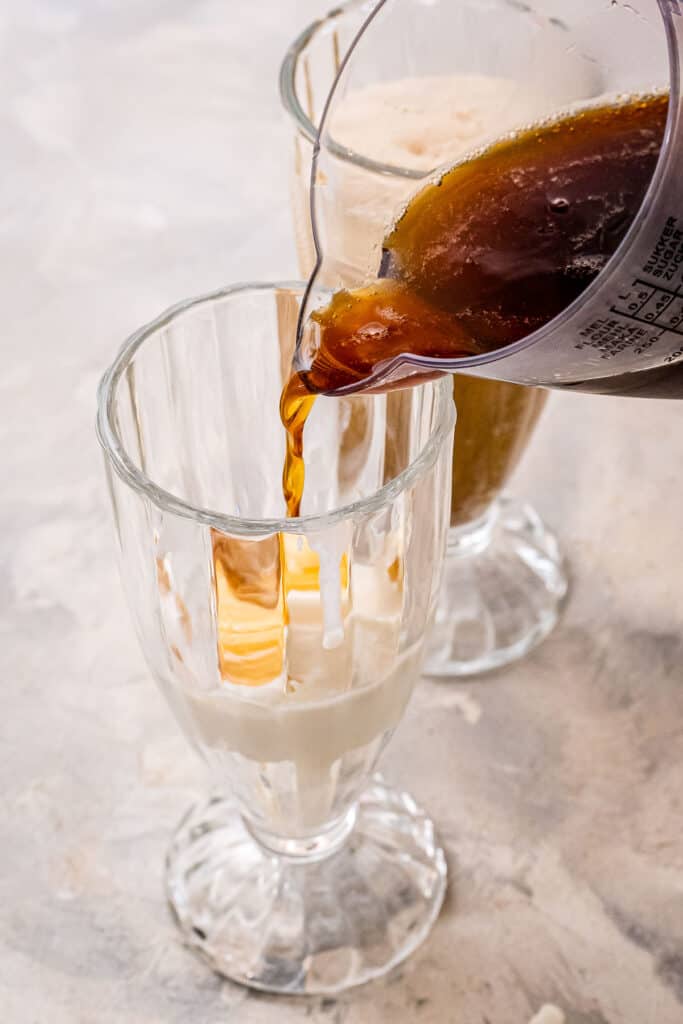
(144, 158)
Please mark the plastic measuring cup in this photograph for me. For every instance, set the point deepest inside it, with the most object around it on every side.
(624, 333)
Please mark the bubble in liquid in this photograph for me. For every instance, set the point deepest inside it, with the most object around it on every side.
(559, 205)
(373, 331)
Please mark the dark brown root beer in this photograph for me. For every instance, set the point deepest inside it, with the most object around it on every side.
(487, 254)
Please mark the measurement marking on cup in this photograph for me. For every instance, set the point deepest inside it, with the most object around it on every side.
(650, 304)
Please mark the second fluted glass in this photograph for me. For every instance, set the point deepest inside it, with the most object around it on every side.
(504, 579)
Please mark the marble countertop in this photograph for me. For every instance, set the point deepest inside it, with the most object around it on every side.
(144, 160)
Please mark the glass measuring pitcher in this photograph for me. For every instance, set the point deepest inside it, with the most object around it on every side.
(624, 333)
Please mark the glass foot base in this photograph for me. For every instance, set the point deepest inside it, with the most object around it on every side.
(283, 925)
(502, 592)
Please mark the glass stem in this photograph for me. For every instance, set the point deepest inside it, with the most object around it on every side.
(472, 538)
(307, 848)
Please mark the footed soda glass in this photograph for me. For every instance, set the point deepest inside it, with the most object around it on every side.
(433, 81)
(286, 648)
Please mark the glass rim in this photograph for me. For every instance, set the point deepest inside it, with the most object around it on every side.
(290, 101)
(124, 467)
(292, 104)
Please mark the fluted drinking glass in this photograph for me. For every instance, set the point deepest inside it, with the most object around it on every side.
(418, 97)
(286, 648)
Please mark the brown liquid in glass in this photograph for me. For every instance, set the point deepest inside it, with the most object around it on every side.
(486, 255)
